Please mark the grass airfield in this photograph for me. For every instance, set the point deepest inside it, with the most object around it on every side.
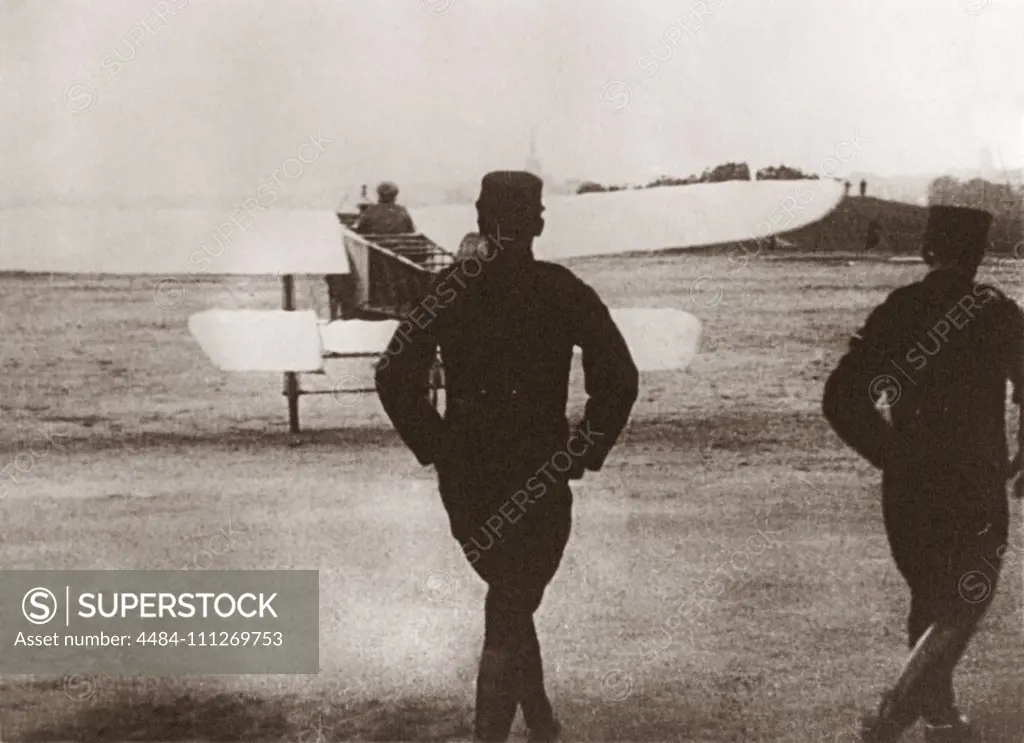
(727, 579)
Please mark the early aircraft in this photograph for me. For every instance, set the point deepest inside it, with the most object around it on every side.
(387, 275)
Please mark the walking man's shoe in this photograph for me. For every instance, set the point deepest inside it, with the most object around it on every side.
(957, 730)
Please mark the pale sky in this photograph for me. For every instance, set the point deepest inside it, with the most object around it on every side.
(207, 103)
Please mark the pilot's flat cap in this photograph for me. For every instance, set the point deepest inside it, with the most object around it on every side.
(511, 189)
(955, 232)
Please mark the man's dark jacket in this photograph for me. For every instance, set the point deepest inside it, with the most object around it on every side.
(506, 332)
(944, 349)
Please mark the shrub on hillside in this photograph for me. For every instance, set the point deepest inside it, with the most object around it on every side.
(718, 174)
(1003, 200)
(783, 173)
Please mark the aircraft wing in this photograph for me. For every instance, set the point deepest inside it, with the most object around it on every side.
(629, 221)
(179, 242)
(282, 340)
(259, 340)
(173, 242)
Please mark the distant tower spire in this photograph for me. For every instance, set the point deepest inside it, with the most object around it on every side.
(532, 162)
(986, 164)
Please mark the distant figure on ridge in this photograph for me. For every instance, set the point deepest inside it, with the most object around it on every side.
(863, 187)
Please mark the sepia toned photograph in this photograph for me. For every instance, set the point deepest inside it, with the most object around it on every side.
(635, 371)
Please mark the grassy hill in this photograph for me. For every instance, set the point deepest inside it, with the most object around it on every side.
(899, 228)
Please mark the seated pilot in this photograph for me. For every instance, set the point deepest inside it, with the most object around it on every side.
(385, 217)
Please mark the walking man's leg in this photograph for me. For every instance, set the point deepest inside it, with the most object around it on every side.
(497, 680)
(533, 697)
(917, 561)
(518, 570)
(970, 586)
(511, 672)
(546, 557)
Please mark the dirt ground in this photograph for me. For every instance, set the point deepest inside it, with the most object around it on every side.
(727, 578)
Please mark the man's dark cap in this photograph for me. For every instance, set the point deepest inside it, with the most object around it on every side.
(387, 189)
(515, 190)
(956, 232)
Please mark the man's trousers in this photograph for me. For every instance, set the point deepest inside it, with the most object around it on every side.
(517, 559)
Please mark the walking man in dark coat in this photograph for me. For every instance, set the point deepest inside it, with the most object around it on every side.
(506, 325)
(921, 394)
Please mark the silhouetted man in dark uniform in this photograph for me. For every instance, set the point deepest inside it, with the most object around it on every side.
(863, 187)
(506, 325)
(941, 351)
